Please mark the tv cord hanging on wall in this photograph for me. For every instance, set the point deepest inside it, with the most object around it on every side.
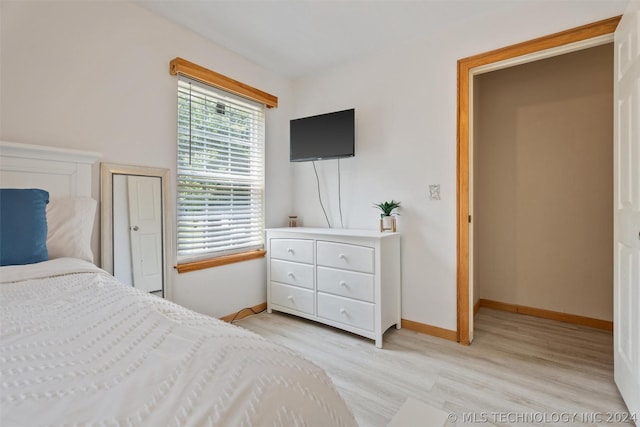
(340, 196)
(319, 196)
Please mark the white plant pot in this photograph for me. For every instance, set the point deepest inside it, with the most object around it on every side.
(388, 223)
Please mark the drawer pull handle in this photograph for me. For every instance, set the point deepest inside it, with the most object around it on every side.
(290, 274)
(342, 256)
(343, 311)
(290, 298)
(343, 284)
(290, 251)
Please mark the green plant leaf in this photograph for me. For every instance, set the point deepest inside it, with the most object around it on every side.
(387, 208)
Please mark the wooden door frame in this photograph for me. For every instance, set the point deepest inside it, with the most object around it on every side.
(466, 67)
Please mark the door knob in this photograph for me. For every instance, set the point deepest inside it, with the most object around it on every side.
(134, 228)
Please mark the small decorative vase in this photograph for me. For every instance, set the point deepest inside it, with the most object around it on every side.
(388, 223)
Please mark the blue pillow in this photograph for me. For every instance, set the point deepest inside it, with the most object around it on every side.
(23, 226)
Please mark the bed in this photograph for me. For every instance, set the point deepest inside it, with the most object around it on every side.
(77, 347)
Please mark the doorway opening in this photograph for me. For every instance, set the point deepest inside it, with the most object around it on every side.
(568, 41)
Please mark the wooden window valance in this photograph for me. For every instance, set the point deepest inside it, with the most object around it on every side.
(197, 72)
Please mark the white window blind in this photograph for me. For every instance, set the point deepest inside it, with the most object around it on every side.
(220, 172)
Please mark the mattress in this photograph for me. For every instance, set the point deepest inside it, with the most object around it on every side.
(77, 347)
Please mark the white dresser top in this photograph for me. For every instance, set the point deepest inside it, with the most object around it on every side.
(346, 232)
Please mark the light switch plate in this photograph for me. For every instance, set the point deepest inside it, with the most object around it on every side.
(434, 192)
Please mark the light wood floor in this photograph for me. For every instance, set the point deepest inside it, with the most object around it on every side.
(517, 364)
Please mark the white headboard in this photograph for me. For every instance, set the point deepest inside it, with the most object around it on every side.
(60, 171)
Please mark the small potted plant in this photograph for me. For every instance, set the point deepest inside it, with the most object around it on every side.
(387, 220)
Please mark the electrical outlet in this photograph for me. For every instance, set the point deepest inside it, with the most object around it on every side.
(434, 192)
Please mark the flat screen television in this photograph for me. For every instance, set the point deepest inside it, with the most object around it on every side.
(325, 136)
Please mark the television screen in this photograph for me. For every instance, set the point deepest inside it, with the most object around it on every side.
(326, 136)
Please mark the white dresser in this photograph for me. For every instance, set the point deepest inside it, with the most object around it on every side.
(349, 279)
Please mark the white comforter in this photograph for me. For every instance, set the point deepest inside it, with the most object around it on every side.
(79, 348)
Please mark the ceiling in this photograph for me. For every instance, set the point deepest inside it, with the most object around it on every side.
(298, 37)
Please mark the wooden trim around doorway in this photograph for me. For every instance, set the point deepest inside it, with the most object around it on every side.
(465, 67)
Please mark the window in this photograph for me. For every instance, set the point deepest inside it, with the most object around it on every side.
(220, 172)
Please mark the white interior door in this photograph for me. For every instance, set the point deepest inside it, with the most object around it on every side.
(627, 208)
(145, 219)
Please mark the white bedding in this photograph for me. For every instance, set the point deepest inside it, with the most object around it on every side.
(79, 348)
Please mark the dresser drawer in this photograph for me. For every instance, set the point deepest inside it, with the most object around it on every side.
(292, 273)
(345, 256)
(344, 310)
(292, 297)
(346, 283)
(298, 250)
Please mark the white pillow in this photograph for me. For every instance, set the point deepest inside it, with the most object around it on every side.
(70, 225)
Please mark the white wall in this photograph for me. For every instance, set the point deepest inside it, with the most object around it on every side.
(95, 76)
(405, 101)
